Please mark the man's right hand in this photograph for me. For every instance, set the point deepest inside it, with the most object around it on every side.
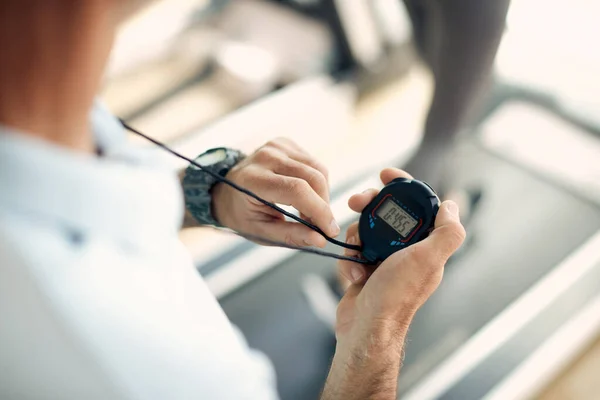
(283, 173)
(377, 309)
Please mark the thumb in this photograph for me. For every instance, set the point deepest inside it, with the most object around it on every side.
(414, 273)
(447, 236)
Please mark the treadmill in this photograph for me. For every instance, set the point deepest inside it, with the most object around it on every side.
(517, 303)
(519, 300)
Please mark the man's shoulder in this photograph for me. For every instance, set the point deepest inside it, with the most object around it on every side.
(25, 240)
(71, 306)
(37, 345)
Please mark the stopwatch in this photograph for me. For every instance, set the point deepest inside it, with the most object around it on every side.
(402, 214)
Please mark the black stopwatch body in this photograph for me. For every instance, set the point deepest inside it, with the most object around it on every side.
(402, 214)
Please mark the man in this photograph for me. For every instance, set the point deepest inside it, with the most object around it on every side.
(458, 41)
(98, 299)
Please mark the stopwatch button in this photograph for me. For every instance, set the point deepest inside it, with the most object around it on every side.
(428, 185)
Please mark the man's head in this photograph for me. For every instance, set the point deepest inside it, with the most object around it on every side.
(51, 71)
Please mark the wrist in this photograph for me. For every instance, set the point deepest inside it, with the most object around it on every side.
(384, 323)
(218, 204)
(362, 375)
(199, 186)
(375, 337)
(367, 363)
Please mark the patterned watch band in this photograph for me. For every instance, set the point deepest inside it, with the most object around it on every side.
(197, 185)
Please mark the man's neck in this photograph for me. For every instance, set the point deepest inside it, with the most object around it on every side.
(53, 58)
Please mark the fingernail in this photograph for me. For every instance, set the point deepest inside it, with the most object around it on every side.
(452, 209)
(365, 191)
(352, 240)
(335, 228)
(307, 242)
(356, 273)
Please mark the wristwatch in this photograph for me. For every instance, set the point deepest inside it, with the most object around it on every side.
(197, 185)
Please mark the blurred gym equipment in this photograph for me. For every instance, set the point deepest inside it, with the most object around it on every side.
(519, 301)
(530, 272)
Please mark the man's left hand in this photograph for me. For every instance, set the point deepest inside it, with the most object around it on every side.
(280, 172)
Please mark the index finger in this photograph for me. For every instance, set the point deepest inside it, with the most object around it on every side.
(295, 152)
(359, 201)
(299, 194)
(389, 174)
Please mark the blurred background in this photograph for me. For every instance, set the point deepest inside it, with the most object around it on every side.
(518, 313)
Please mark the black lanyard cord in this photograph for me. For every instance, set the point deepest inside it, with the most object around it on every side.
(318, 252)
(265, 202)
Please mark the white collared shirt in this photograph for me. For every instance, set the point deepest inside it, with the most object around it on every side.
(98, 298)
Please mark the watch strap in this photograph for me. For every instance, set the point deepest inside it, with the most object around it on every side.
(197, 185)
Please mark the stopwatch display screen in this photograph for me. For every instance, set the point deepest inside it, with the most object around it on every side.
(396, 217)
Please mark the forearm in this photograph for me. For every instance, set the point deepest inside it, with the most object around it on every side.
(367, 367)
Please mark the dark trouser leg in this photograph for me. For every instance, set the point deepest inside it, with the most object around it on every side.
(458, 39)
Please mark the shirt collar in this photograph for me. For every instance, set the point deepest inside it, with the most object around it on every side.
(108, 131)
(125, 195)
